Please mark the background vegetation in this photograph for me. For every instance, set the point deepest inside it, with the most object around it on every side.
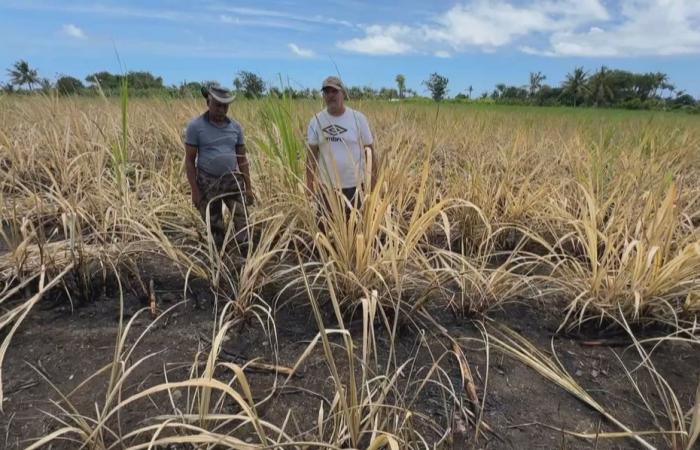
(603, 87)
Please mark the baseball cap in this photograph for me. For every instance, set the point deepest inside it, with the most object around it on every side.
(333, 82)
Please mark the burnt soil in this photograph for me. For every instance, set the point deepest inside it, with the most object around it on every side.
(69, 342)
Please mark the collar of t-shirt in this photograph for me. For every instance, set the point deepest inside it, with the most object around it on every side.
(333, 117)
(206, 119)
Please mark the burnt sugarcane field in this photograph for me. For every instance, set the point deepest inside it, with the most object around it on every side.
(507, 277)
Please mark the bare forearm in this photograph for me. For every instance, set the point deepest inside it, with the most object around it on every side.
(191, 172)
(244, 168)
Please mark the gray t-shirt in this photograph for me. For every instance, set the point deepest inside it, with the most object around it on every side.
(216, 146)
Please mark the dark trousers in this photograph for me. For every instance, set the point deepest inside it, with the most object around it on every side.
(325, 212)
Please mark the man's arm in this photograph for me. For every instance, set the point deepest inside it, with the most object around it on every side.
(311, 166)
(191, 171)
(244, 168)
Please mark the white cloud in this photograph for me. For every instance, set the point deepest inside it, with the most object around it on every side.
(73, 31)
(442, 54)
(302, 52)
(380, 41)
(534, 51)
(647, 28)
(492, 24)
(259, 12)
(228, 19)
(262, 22)
(478, 23)
(561, 27)
(486, 25)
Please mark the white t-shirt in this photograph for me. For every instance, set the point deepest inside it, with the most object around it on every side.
(341, 141)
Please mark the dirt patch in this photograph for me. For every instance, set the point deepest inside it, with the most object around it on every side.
(67, 345)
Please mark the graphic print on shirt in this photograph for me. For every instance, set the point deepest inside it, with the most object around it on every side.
(332, 131)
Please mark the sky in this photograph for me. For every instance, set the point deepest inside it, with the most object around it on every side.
(474, 43)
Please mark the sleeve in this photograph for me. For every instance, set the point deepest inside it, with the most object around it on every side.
(191, 135)
(365, 132)
(312, 132)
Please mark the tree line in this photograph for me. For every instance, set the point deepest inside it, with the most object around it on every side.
(602, 88)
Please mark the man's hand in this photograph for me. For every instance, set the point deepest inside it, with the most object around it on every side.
(250, 197)
(191, 171)
(196, 197)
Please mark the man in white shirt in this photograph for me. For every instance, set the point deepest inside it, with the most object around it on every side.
(339, 139)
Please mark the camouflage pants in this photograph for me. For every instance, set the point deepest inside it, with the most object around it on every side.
(217, 191)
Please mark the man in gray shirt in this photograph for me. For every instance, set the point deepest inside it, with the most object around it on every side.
(217, 166)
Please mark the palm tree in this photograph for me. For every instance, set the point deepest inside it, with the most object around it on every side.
(575, 84)
(601, 87)
(22, 74)
(662, 82)
(536, 79)
(401, 83)
(670, 88)
(500, 89)
(45, 84)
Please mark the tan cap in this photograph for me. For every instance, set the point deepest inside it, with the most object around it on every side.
(333, 82)
(218, 92)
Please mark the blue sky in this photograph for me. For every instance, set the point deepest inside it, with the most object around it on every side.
(472, 42)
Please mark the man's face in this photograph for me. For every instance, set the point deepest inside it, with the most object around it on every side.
(333, 97)
(217, 110)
